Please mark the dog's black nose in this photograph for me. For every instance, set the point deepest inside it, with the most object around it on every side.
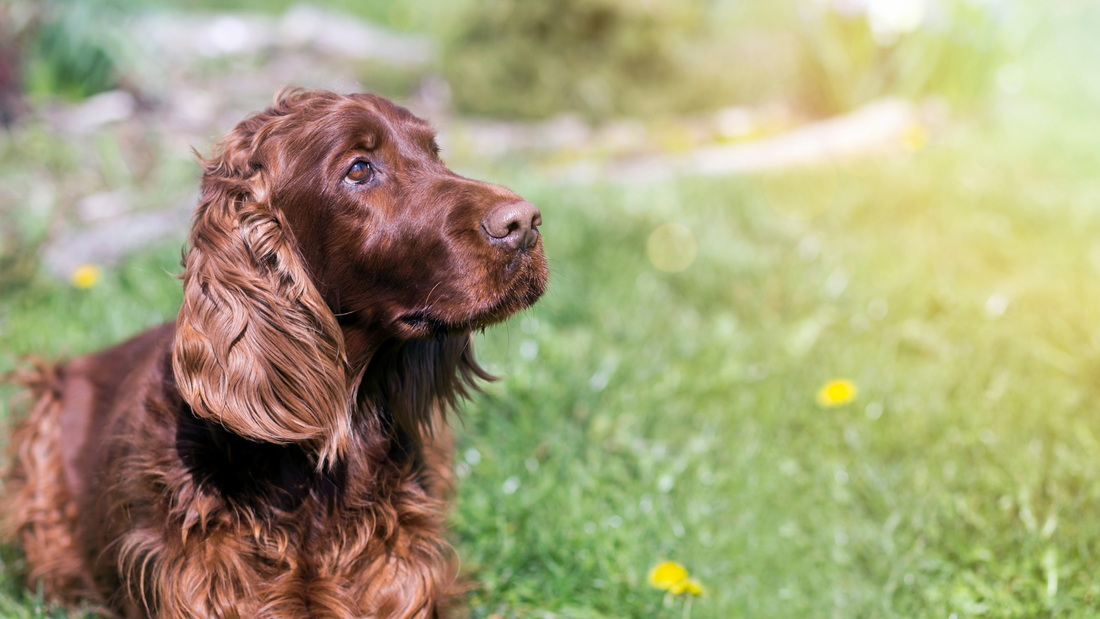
(515, 225)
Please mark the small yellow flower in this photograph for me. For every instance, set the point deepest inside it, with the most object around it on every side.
(836, 392)
(667, 574)
(672, 577)
(85, 276)
(688, 585)
(914, 137)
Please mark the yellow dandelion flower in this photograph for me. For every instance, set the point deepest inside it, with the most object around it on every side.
(688, 585)
(666, 575)
(672, 577)
(836, 392)
(85, 276)
(914, 137)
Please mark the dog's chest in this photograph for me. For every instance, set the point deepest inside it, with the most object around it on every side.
(277, 538)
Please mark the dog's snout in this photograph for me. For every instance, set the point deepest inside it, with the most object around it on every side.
(514, 225)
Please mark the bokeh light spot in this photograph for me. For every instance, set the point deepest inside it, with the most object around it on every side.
(672, 248)
(915, 137)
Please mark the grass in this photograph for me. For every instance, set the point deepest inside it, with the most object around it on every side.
(961, 480)
(648, 416)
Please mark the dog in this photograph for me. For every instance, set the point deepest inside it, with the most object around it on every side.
(281, 449)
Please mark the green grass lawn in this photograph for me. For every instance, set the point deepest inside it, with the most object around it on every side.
(646, 416)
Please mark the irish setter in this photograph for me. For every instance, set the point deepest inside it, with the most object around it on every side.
(280, 450)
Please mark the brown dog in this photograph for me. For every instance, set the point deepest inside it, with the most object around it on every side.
(280, 450)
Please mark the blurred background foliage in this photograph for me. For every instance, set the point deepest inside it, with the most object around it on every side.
(61, 49)
(625, 57)
(69, 52)
(600, 57)
(605, 58)
(852, 51)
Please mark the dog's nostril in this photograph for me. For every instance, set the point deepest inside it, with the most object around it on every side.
(514, 224)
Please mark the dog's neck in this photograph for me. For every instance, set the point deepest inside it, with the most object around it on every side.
(414, 382)
(361, 345)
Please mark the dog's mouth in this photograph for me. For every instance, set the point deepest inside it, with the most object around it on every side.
(445, 319)
(421, 323)
(426, 323)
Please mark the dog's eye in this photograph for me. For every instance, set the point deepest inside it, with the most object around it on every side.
(360, 172)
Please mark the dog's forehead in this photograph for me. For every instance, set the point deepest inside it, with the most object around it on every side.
(384, 116)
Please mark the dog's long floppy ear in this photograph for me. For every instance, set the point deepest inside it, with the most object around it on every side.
(257, 349)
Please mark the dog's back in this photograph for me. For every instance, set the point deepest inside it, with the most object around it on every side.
(55, 449)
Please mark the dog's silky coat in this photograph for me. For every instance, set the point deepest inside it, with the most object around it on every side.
(280, 450)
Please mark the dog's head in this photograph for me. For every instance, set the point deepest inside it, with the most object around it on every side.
(328, 228)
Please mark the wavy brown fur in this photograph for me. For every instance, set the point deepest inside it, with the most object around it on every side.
(281, 450)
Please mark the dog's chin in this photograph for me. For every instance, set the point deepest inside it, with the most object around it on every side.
(423, 324)
(439, 322)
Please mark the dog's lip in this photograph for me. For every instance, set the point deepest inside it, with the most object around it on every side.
(520, 293)
(426, 322)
